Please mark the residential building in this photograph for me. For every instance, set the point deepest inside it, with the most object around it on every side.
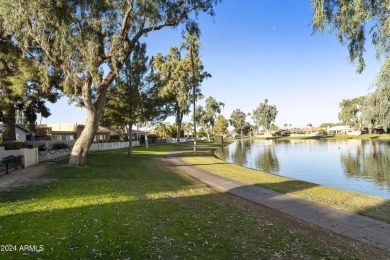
(340, 129)
(21, 132)
(67, 132)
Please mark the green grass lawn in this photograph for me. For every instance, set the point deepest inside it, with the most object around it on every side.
(371, 206)
(141, 208)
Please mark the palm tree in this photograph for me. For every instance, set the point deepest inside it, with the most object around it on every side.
(192, 45)
(163, 130)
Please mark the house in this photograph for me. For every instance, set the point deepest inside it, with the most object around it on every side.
(67, 132)
(340, 129)
(137, 135)
(21, 132)
(313, 131)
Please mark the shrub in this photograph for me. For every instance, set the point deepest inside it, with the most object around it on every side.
(59, 146)
(7, 157)
(218, 139)
(115, 138)
(14, 145)
(322, 131)
(42, 147)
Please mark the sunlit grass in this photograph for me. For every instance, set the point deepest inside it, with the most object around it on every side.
(34, 205)
(375, 207)
(141, 208)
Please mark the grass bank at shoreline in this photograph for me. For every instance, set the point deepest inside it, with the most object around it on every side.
(142, 208)
(366, 205)
(380, 137)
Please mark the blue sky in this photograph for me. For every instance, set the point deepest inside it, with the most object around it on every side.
(258, 50)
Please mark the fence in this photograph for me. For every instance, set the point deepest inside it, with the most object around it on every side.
(111, 146)
(11, 163)
(33, 156)
(53, 154)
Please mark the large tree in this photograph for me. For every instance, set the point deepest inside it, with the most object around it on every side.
(264, 115)
(21, 90)
(124, 99)
(237, 120)
(350, 110)
(178, 80)
(221, 125)
(353, 22)
(213, 108)
(89, 42)
(376, 110)
(192, 45)
(163, 130)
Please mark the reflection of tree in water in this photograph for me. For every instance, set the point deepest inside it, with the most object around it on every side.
(372, 159)
(244, 152)
(266, 160)
(238, 153)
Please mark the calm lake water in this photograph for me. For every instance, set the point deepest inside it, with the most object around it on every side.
(356, 165)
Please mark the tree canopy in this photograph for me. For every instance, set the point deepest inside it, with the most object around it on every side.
(353, 22)
(237, 120)
(21, 89)
(376, 109)
(264, 115)
(88, 42)
(350, 110)
(221, 125)
(175, 80)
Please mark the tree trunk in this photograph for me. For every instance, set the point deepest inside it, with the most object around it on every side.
(83, 143)
(179, 119)
(9, 120)
(78, 156)
(130, 149)
(146, 135)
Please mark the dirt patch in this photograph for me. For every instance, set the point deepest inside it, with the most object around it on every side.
(24, 177)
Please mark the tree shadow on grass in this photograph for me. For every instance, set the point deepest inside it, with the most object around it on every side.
(190, 226)
(104, 175)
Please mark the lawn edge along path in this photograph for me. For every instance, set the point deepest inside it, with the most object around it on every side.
(355, 226)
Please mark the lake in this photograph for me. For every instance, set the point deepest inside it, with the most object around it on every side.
(357, 165)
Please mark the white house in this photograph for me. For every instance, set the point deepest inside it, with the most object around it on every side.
(341, 129)
(20, 131)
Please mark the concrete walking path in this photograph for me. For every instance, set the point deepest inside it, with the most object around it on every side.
(358, 227)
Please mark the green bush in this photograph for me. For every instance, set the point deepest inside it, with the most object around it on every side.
(7, 157)
(59, 146)
(14, 145)
(322, 131)
(115, 138)
(218, 139)
(42, 147)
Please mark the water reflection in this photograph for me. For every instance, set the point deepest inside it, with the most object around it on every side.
(368, 160)
(252, 155)
(358, 165)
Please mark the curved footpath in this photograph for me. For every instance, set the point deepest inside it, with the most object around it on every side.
(348, 224)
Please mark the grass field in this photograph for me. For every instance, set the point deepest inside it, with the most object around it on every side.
(142, 208)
